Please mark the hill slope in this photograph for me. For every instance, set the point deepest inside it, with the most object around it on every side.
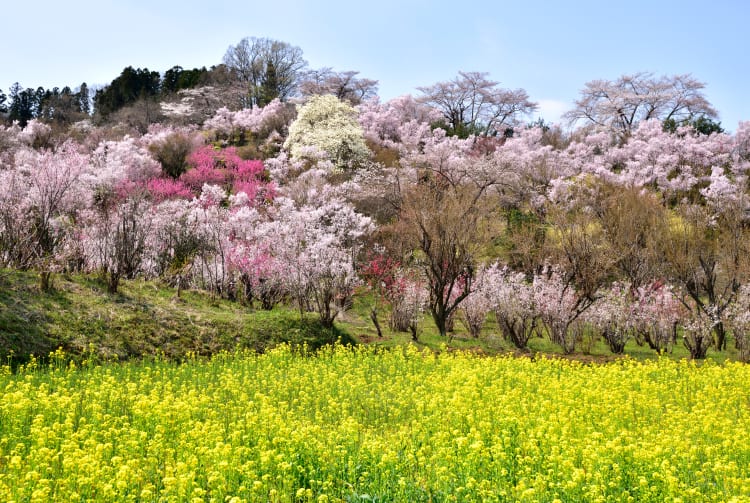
(144, 319)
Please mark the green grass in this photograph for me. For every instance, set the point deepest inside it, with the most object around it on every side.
(142, 319)
(145, 318)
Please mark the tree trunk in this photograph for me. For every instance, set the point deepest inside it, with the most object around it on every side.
(721, 336)
(45, 281)
(374, 318)
(441, 321)
(113, 281)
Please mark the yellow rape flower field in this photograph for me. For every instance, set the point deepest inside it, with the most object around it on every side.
(369, 425)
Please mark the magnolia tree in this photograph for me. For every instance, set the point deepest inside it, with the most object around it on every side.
(330, 125)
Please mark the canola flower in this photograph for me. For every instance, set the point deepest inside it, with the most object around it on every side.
(356, 425)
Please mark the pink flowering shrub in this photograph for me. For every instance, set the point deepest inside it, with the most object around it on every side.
(226, 169)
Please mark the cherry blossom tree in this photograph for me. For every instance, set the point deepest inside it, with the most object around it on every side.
(612, 316)
(210, 216)
(388, 124)
(120, 163)
(738, 317)
(677, 164)
(409, 303)
(173, 242)
(260, 124)
(514, 301)
(473, 104)
(559, 305)
(620, 105)
(115, 235)
(656, 315)
(698, 333)
(706, 257)
(346, 86)
(40, 196)
(479, 303)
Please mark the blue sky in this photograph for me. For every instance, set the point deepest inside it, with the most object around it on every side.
(551, 49)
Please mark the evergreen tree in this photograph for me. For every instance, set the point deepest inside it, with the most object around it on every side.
(83, 99)
(268, 90)
(23, 104)
(3, 99)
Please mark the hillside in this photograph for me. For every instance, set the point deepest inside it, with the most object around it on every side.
(141, 320)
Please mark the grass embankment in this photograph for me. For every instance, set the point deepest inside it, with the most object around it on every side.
(375, 425)
(143, 319)
(146, 319)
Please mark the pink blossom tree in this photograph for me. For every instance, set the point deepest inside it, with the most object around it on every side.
(115, 236)
(410, 301)
(738, 317)
(40, 196)
(472, 104)
(612, 316)
(479, 303)
(559, 305)
(226, 169)
(514, 302)
(310, 250)
(381, 274)
(620, 105)
(657, 311)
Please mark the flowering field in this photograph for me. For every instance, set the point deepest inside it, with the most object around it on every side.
(367, 425)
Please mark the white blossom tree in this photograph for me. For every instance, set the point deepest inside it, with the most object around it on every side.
(327, 123)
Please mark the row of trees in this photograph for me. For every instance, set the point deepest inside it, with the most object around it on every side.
(634, 226)
(256, 71)
(63, 106)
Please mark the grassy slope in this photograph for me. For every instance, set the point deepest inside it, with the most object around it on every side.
(146, 318)
(142, 319)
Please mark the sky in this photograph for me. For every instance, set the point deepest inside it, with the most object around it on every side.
(550, 49)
